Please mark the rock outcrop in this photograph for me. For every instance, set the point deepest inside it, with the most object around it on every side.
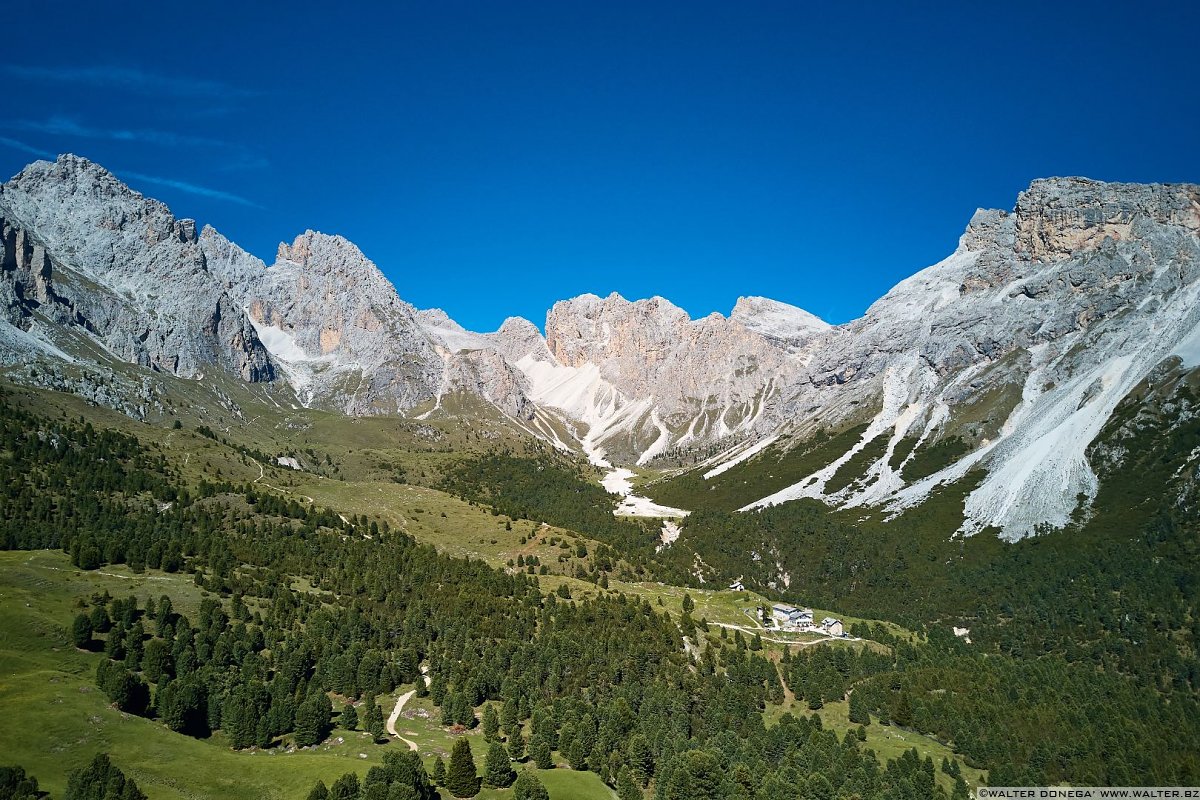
(1011, 354)
(81, 250)
(341, 333)
(1019, 345)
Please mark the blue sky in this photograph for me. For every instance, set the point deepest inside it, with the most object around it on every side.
(495, 157)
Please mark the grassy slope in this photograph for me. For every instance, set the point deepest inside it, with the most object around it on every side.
(366, 452)
(766, 473)
(56, 719)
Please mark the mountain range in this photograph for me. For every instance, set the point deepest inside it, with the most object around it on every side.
(995, 369)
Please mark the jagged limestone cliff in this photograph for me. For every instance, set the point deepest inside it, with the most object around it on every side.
(1008, 356)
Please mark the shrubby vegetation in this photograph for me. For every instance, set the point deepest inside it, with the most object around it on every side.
(16, 785)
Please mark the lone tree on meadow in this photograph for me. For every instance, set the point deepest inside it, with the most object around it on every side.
(462, 779)
(491, 723)
(439, 771)
(528, 787)
(81, 631)
(539, 751)
(497, 771)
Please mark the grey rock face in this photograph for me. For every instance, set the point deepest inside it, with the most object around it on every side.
(1052, 313)
(1019, 345)
(486, 374)
(779, 323)
(705, 378)
(336, 324)
(80, 249)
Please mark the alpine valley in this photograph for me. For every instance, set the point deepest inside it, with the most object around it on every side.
(990, 480)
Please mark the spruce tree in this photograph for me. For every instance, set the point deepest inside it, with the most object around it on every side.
(349, 718)
(439, 771)
(627, 788)
(539, 751)
(462, 778)
(81, 631)
(319, 792)
(491, 723)
(528, 787)
(516, 746)
(497, 771)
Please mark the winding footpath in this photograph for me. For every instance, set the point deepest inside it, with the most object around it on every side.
(391, 721)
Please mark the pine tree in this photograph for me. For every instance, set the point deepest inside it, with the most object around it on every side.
(319, 792)
(349, 718)
(627, 788)
(577, 753)
(491, 723)
(101, 779)
(497, 771)
(345, 788)
(462, 778)
(858, 710)
(312, 719)
(373, 719)
(510, 717)
(819, 787)
(516, 746)
(240, 720)
(101, 623)
(15, 784)
(156, 660)
(539, 751)
(641, 760)
(528, 787)
(689, 605)
(439, 771)
(81, 631)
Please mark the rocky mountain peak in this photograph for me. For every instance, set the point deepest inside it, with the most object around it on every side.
(333, 258)
(119, 268)
(1042, 319)
(82, 175)
(518, 338)
(777, 321)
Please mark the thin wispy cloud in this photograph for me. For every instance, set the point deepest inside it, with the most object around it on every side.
(64, 126)
(129, 79)
(25, 148)
(190, 188)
